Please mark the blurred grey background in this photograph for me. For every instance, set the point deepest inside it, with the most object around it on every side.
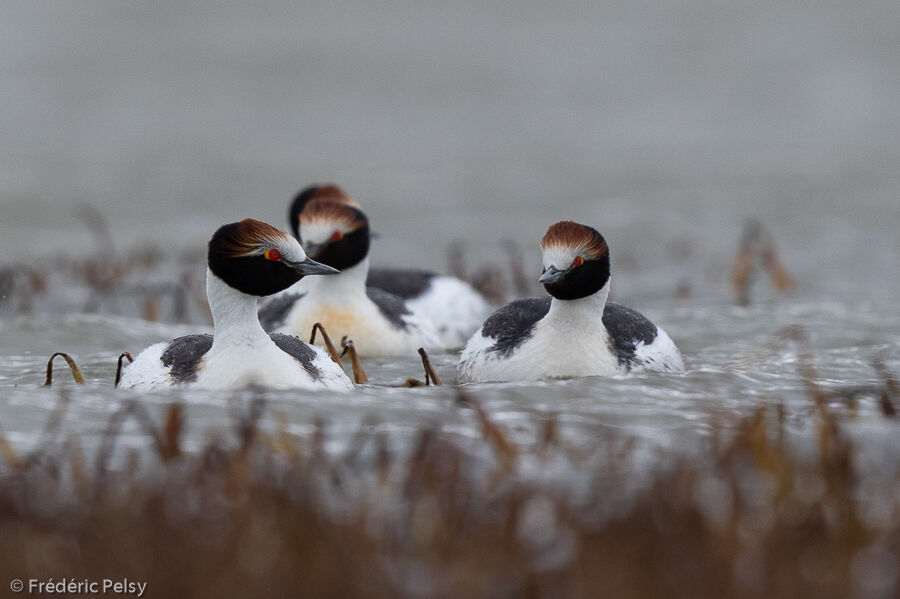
(663, 124)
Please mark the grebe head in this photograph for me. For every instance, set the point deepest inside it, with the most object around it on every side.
(335, 233)
(258, 259)
(576, 260)
(323, 191)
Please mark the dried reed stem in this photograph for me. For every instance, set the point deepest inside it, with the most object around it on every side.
(431, 376)
(359, 375)
(891, 389)
(73, 367)
(119, 366)
(757, 245)
(9, 454)
(329, 346)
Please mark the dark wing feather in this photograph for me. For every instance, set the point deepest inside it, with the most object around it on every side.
(511, 325)
(299, 350)
(393, 308)
(404, 283)
(627, 328)
(183, 355)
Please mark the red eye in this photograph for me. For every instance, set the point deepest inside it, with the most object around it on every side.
(337, 236)
(272, 254)
(578, 261)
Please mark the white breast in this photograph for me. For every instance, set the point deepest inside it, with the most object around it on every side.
(341, 304)
(233, 367)
(559, 347)
(361, 321)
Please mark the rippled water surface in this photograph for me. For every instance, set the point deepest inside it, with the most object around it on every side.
(736, 359)
(664, 127)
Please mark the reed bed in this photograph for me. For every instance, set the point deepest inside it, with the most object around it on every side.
(266, 513)
(156, 284)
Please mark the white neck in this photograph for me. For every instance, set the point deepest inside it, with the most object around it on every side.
(350, 282)
(233, 312)
(585, 309)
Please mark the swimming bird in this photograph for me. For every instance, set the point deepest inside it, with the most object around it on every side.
(380, 323)
(572, 332)
(246, 260)
(454, 307)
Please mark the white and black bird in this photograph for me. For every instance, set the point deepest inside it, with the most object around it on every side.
(378, 322)
(575, 331)
(246, 260)
(452, 305)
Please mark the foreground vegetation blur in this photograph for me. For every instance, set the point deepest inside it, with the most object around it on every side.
(267, 513)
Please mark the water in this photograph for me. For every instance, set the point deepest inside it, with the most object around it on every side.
(734, 364)
(663, 126)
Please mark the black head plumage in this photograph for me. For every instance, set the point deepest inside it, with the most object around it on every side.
(236, 256)
(575, 281)
(352, 244)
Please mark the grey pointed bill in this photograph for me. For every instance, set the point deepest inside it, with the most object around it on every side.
(551, 273)
(311, 267)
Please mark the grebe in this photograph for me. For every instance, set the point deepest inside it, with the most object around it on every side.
(454, 307)
(380, 323)
(246, 260)
(574, 332)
